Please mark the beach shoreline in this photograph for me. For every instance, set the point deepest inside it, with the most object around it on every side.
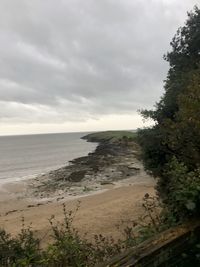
(110, 193)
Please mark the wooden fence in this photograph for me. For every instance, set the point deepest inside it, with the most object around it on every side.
(168, 249)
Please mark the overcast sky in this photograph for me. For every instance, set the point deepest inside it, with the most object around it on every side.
(82, 65)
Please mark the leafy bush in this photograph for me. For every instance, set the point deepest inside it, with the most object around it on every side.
(183, 196)
(23, 250)
(68, 249)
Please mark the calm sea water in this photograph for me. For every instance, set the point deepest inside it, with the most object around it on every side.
(25, 156)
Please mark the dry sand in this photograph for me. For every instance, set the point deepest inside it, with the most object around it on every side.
(99, 212)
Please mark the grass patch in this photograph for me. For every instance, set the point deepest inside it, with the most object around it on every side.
(111, 136)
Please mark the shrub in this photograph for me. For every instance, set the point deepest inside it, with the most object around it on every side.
(23, 250)
(183, 196)
(68, 249)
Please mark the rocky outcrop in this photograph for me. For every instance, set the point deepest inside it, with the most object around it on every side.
(111, 161)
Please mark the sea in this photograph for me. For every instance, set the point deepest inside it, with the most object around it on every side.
(26, 156)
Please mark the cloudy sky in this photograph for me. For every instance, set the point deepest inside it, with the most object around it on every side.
(82, 65)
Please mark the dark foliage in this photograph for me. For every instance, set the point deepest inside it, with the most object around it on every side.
(174, 140)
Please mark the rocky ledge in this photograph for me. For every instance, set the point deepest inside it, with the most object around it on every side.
(113, 160)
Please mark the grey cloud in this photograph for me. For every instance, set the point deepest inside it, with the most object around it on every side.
(74, 60)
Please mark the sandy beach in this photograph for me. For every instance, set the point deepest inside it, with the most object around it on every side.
(99, 211)
(109, 184)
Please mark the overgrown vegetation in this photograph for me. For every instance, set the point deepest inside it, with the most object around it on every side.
(171, 148)
(154, 219)
(68, 249)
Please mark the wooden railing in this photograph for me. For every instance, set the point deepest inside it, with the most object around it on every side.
(166, 249)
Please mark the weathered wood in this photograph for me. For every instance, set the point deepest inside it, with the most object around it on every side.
(164, 250)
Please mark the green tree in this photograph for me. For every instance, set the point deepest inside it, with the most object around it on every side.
(183, 135)
(184, 57)
(176, 133)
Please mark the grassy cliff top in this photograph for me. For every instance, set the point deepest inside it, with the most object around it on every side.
(110, 136)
